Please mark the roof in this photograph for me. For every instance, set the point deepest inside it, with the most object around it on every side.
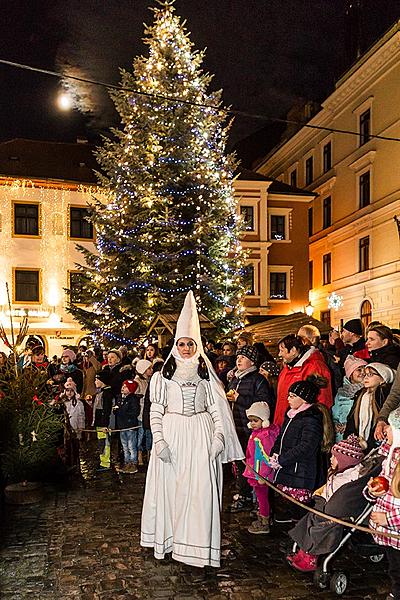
(273, 330)
(34, 159)
(165, 323)
(248, 175)
(276, 187)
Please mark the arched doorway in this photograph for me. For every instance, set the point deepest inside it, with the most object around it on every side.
(366, 312)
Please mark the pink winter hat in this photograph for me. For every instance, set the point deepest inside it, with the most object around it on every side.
(70, 353)
(351, 364)
(349, 452)
(70, 384)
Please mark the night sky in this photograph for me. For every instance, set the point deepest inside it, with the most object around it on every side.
(264, 54)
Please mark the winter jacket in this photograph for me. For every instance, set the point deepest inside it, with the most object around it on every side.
(127, 411)
(76, 414)
(61, 376)
(336, 480)
(380, 396)
(102, 407)
(299, 449)
(393, 399)
(342, 406)
(252, 387)
(388, 504)
(90, 367)
(310, 363)
(266, 437)
(114, 378)
(388, 355)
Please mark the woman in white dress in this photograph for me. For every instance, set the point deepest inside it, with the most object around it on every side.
(193, 434)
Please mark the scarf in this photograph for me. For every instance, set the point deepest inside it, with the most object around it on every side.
(67, 368)
(241, 374)
(292, 412)
(365, 416)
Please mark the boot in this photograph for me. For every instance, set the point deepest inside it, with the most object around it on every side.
(140, 458)
(291, 557)
(259, 526)
(131, 468)
(305, 563)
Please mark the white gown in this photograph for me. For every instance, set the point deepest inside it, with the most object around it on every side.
(182, 501)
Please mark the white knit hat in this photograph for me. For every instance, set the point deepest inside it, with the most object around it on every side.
(142, 365)
(260, 410)
(384, 371)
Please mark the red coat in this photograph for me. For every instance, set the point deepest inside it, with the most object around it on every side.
(312, 362)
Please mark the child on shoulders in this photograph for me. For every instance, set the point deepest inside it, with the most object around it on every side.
(259, 447)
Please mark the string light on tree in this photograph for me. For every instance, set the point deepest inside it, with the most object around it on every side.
(169, 223)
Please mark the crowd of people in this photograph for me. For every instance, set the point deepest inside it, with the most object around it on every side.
(306, 420)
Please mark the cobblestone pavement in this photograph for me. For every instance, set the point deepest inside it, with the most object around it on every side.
(83, 543)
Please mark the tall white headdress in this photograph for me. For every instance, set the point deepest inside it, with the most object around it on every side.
(188, 326)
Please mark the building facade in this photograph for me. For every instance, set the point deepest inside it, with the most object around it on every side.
(44, 191)
(274, 214)
(353, 236)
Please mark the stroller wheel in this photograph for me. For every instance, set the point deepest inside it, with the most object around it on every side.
(376, 558)
(339, 581)
(321, 579)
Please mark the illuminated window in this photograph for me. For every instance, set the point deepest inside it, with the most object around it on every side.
(76, 284)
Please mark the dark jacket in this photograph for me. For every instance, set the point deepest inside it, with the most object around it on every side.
(114, 378)
(388, 355)
(253, 387)
(380, 396)
(299, 448)
(127, 411)
(102, 415)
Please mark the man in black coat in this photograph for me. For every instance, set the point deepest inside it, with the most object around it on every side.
(247, 386)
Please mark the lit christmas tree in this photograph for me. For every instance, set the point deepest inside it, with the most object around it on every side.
(169, 221)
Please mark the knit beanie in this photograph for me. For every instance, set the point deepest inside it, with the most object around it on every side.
(260, 410)
(142, 365)
(70, 353)
(70, 384)
(116, 352)
(349, 452)
(306, 390)
(249, 352)
(131, 385)
(384, 371)
(354, 326)
(271, 367)
(351, 364)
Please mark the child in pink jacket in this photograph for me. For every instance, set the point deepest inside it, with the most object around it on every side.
(258, 449)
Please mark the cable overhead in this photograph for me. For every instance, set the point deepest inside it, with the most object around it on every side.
(230, 111)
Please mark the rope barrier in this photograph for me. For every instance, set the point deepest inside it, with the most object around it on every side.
(106, 429)
(325, 516)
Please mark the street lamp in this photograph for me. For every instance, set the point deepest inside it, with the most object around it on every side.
(309, 310)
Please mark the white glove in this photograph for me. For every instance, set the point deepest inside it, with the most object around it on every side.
(217, 446)
(165, 455)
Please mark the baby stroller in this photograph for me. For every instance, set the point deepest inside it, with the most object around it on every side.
(347, 501)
